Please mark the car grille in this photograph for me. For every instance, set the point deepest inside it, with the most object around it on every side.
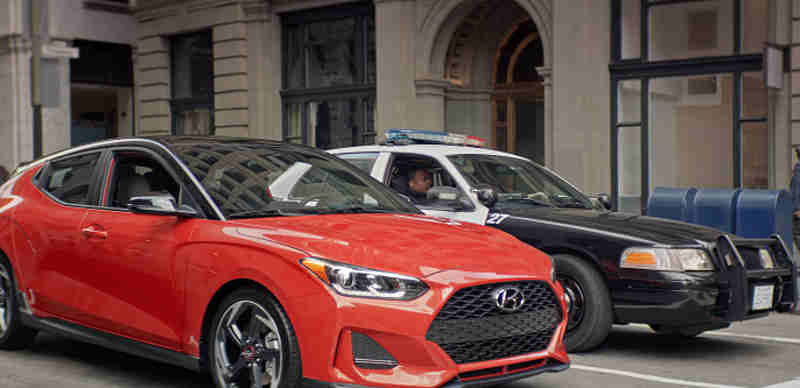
(471, 328)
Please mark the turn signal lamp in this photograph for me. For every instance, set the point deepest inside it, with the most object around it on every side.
(667, 259)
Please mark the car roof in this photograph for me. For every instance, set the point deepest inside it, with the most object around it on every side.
(426, 149)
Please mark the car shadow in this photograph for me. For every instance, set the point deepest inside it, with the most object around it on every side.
(636, 341)
(114, 368)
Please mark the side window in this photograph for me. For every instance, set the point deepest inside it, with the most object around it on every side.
(137, 174)
(427, 183)
(364, 161)
(69, 179)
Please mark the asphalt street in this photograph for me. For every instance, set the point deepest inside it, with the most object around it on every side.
(759, 353)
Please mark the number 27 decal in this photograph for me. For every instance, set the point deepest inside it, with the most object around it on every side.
(496, 218)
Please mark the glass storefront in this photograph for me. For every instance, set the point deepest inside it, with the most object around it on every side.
(689, 105)
(329, 76)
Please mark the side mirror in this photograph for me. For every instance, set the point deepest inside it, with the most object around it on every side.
(603, 199)
(450, 197)
(164, 205)
(486, 194)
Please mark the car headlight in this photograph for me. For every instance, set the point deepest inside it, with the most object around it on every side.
(351, 280)
(667, 259)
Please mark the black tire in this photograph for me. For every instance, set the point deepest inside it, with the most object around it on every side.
(15, 335)
(591, 317)
(290, 367)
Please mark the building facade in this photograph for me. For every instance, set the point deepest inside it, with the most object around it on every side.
(618, 96)
(86, 77)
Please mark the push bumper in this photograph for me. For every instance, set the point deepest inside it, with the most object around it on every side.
(712, 300)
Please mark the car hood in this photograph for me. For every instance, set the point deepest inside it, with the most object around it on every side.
(622, 225)
(408, 244)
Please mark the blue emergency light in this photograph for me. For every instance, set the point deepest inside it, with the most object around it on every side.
(421, 136)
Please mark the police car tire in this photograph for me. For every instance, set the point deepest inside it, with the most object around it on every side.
(598, 317)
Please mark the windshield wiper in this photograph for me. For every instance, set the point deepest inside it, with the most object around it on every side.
(258, 213)
(356, 209)
(534, 201)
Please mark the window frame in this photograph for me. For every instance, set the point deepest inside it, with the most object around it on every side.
(446, 166)
(645, 70)
(108, 175)
(41, 179)
(362, 90)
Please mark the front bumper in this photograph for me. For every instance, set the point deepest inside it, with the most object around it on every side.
(333, 328)
(712, 299)
(551, 367)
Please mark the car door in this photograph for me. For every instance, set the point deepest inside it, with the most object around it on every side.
(50, 218)
(136, 291)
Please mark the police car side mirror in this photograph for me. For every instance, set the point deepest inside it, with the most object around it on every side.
(603, 200)
(486, 194)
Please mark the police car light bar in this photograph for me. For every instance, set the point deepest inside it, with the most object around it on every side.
(411, 136)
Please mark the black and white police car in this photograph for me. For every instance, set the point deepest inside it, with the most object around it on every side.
(680, 279)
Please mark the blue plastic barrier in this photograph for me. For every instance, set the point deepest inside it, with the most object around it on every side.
(761, 213)
(746, 213)
(715, 208)
(672, 203)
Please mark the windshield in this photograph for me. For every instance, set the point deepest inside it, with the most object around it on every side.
(518, 182)
(251, 179)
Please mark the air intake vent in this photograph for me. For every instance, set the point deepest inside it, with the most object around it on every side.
(368, 354)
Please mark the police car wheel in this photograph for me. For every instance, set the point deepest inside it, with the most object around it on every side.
(591, 316)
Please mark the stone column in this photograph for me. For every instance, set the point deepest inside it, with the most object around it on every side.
(231, 105)
(780, 102)
(263, 79)
(16, 114)
(151, 79)
(430, 105)
(394, 41)
(549, 145)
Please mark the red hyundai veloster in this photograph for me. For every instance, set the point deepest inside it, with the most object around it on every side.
(268, 264)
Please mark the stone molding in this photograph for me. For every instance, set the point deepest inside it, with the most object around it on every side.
(461, 94)
(431, 87)
(257, 11)
(13, 44)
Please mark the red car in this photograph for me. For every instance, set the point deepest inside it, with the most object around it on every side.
(268, 264)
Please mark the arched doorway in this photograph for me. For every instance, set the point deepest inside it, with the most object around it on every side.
(518, 97)
(492, 56)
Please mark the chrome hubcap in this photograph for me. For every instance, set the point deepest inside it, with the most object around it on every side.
(575, 301)
(248, 347)
(5, 294)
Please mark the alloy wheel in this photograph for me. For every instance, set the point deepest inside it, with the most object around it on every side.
(577, 301)
(248, 349)
(5, 295)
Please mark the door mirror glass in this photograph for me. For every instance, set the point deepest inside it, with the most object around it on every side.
(486, 194)
(163, 204)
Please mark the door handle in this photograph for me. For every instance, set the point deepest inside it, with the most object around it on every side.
(90, 232)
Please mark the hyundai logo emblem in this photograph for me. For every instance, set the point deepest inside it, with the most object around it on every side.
(508, 299)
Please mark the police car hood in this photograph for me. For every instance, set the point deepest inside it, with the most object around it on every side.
(408, 244)
(623, 225)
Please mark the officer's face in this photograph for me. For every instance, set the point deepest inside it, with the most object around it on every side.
(421, 182)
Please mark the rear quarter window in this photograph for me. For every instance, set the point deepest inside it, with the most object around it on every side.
(69, 179)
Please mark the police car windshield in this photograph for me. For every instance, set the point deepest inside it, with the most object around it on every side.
(256, 180)
(518, 182)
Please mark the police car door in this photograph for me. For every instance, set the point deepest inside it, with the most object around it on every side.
(448, 197)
